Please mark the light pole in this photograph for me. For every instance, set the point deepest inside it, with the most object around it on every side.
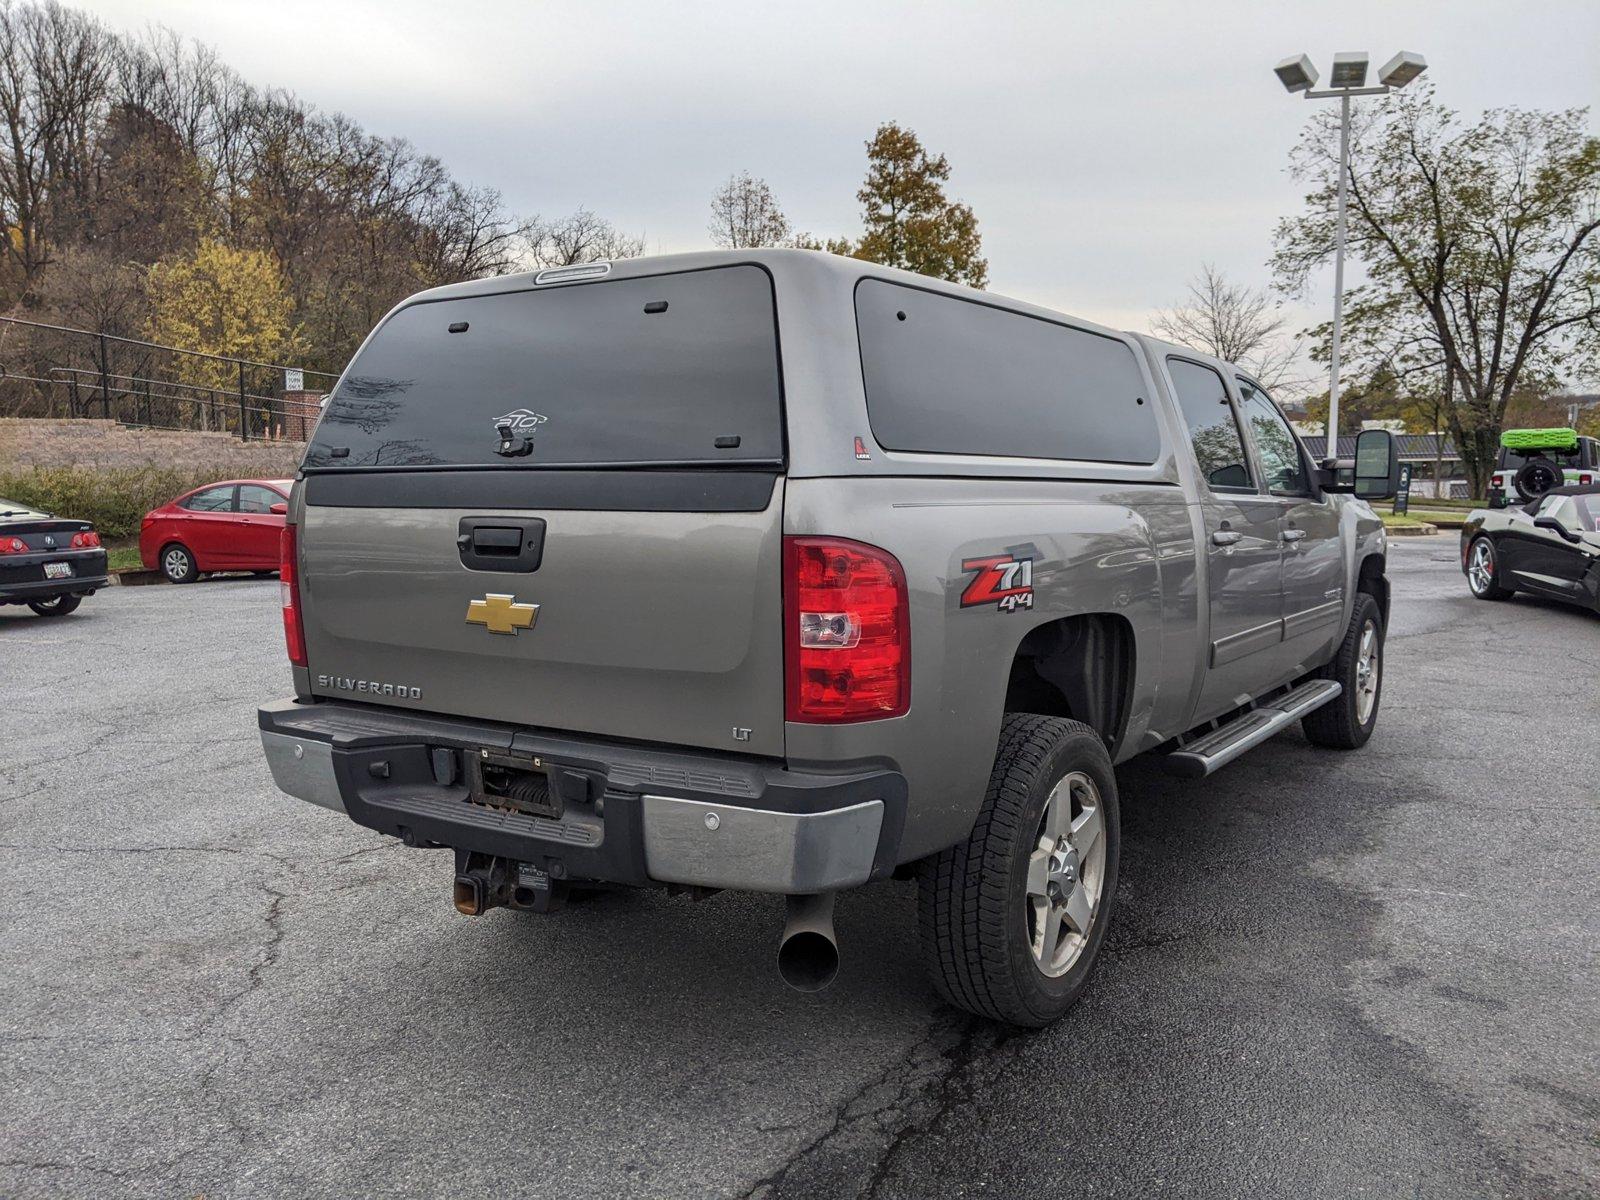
(1349, 79)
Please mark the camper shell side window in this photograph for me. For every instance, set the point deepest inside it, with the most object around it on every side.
(948, 375)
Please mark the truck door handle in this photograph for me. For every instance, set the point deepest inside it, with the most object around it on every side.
(1225, 537)
(1293, 535)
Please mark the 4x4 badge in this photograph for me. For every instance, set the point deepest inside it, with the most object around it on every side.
(1002, 580)
(501, 614)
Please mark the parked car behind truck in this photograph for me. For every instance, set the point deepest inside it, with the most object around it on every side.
(785, 572)
(233, 525)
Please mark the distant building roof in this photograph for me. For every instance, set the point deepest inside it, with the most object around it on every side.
(1415, 447)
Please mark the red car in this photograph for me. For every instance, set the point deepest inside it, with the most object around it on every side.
(232, 526)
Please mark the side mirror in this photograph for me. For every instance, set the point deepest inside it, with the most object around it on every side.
(1556, 526)
(279, 509)
(1377, 465)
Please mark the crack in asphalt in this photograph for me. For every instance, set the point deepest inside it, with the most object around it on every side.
(266, 956)
(47, 1164)
(355, 854)
(274, 944)
(908, 1099)
(1132, 945)
(284, 861)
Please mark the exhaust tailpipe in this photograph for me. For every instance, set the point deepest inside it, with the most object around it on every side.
(808, 955)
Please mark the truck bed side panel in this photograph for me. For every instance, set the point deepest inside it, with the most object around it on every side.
(1125, 551)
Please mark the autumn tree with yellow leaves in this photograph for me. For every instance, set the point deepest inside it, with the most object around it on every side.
(222, 300)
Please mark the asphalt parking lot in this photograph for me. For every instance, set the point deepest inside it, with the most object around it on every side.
(1367, 974)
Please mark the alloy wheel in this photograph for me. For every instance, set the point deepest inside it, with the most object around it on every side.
(1066, 874)
(1480, 567)
(1368, 666)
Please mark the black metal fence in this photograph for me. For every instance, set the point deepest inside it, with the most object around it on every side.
(57, 371)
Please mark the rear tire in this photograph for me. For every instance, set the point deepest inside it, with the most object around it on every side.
(59, 606)
(1483, 570)
(1012, 918)
(1347, 721)
(178, 564)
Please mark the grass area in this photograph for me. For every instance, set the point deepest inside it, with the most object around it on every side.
(1395, 521)
(1452, 519)
(123, 555)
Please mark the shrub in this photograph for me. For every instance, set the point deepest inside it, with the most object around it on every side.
(115, 498)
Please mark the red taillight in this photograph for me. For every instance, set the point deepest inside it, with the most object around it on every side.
(294, 633)
(1585, 480)
(13, 545)
(847, 632)
(1498, 481)
(87, 540)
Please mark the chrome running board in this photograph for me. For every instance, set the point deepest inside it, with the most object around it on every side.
(1220, 747)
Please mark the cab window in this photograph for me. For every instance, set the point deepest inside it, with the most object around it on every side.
(1213, 431)
(217, 499)
(1275, 442)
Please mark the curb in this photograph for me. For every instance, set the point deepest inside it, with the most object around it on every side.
(133, 577)
(1422, 530)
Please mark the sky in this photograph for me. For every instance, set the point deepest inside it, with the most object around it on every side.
(1109, 149)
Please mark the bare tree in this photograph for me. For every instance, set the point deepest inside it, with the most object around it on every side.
(580, 238)
(55, 65)
(745, 214)
(1235, 323)
(89, 287)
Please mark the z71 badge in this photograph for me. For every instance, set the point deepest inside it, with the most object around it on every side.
(1001, 580)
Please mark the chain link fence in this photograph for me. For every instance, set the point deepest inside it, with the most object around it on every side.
(57, 371)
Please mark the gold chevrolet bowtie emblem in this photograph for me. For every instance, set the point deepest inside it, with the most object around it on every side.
(502, 614)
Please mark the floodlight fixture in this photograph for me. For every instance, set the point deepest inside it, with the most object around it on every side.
(1297, 74)
(1402, 69)
(1349, 69)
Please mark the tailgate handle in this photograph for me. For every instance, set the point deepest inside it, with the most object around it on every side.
(497, 539)
(499, 544)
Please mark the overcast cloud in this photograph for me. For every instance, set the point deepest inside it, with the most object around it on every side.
(1108, 149)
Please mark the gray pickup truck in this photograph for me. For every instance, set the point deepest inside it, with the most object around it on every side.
(778, 571)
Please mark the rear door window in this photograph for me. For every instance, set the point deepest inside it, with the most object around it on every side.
(217, 499)
(1213, 430)
(678, 369)
(946, 375)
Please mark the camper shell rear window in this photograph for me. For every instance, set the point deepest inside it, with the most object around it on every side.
(663, 370)
(948, 375)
